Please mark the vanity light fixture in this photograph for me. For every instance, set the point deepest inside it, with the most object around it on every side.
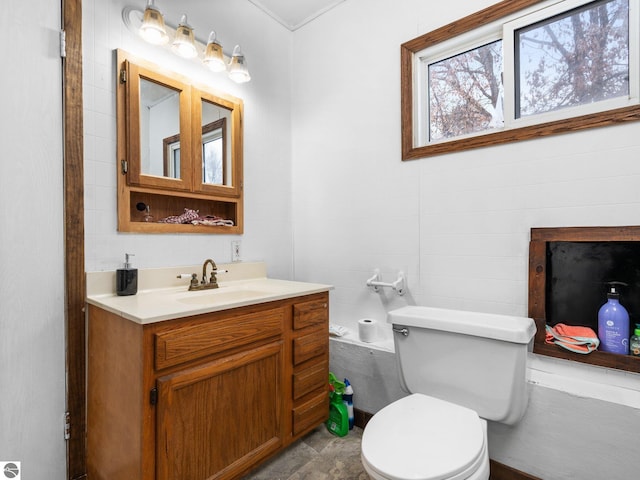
(184, 41)
(152, 28)
(238, 71)
(213, 54)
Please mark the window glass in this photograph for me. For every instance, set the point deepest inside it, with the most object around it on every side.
(575, 58)
(212, 157)
(465, 92)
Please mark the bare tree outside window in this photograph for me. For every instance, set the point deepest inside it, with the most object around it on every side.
(576, 58)
(465, 92)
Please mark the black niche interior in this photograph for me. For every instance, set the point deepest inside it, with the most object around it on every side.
(577, 276)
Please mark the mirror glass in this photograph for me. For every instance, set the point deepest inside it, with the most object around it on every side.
(216, 150)
(159, 130)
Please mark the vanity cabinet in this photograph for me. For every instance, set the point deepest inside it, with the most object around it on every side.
(204, 397)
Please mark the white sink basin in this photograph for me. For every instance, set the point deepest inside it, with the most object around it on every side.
(222, 294)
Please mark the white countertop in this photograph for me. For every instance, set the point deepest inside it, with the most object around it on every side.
(244, 284)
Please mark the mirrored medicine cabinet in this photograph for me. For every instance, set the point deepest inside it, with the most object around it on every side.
(179, 147)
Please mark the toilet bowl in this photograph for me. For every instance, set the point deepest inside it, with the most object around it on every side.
(423, 438)
(461, 369)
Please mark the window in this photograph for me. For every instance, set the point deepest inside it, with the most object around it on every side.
(574, 58)
(465, 92)
(504, 75)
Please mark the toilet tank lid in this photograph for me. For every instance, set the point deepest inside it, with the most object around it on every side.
(507, 328)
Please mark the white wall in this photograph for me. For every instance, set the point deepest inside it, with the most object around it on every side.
(31, 241)
(267, 130)
(457, 224)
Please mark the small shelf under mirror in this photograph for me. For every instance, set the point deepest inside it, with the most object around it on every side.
(137, 218)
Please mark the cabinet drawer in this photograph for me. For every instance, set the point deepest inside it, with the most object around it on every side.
(310, 345)
(310, 313)
(183, 344)
(311, 413)
(310, 379)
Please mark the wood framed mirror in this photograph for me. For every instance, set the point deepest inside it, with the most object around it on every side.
(179, 143)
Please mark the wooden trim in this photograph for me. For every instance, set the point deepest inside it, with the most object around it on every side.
(468, 23)
(361, 418)
(587, 234)
(537, 289)
(74, 237)
(475, 20)
(499, 471)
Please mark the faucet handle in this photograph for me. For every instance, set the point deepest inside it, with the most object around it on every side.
(215, 272)
(192, 276)
(194, 279)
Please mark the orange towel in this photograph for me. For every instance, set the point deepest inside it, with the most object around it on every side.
(573, 337)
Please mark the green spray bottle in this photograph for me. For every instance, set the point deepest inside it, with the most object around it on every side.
(338, 421)
(634, 344)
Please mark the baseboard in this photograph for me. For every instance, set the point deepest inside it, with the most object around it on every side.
(499, 471)
(361, 418)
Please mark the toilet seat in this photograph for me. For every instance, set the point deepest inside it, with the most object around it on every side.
(424, 438)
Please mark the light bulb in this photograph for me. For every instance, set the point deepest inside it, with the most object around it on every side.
(152, 29)
(238, 71)
(213, 55)
(183, 43)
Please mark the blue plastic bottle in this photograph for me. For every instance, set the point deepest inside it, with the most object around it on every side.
(347, 398)
(613, 325)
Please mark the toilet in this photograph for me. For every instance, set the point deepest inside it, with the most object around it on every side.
(460, 369)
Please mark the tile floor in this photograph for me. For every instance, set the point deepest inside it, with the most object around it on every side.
(317, 456)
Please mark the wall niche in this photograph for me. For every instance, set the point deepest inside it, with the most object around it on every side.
(568, 273)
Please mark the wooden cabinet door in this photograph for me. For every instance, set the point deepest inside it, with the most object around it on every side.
(217, 419)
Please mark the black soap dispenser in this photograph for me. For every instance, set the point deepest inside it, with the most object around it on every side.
(127, 278)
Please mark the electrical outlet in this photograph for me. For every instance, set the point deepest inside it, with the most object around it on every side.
(235, 251)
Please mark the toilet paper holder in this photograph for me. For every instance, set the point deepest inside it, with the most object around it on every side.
(375, 282)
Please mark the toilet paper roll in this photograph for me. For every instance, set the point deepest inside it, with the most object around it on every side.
(367, 330)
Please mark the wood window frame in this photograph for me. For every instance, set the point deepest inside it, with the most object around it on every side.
(537, 289)
(459, 27)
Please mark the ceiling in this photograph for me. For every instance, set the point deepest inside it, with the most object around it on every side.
(295, 13)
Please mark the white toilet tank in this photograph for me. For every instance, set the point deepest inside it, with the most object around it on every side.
(476, 360)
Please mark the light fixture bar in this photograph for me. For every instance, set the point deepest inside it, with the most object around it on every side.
(235, 63)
